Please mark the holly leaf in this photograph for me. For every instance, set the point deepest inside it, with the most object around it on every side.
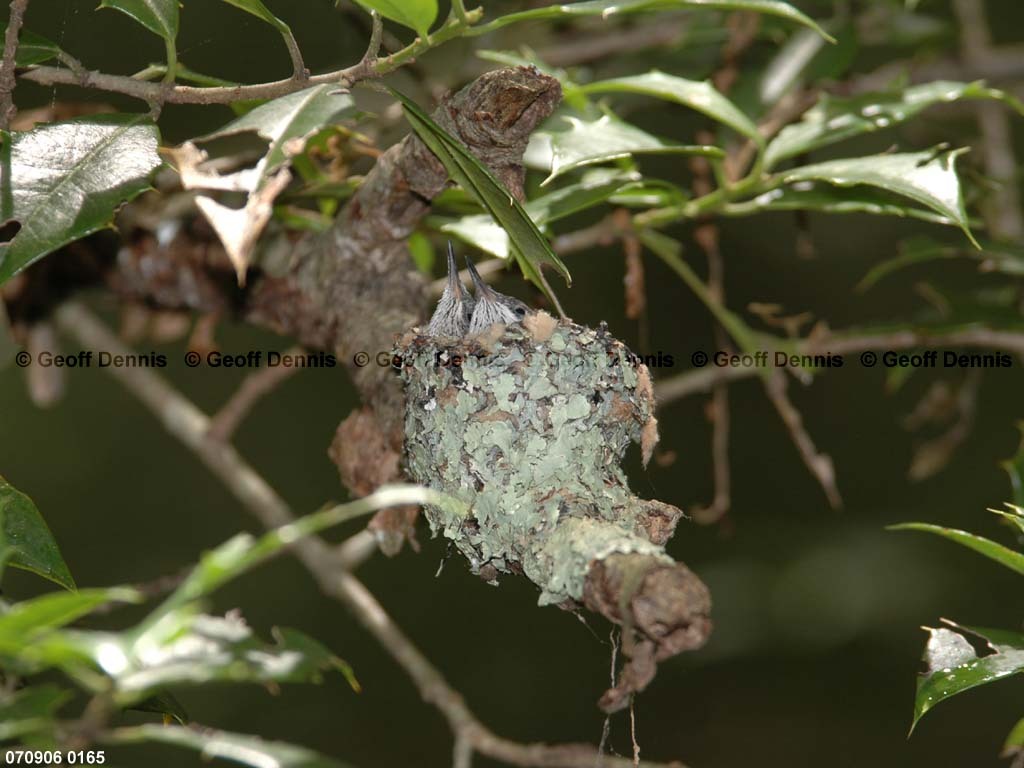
(699, 95)
(583, 142)
(990, 549)
(63, 181)
(34, 49)
(835, 118)
(928, 178)
(952, 666)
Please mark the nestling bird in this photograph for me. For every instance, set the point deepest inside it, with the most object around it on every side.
(492, 307)
(454, 310)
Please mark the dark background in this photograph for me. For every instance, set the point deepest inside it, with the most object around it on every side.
(817, 613)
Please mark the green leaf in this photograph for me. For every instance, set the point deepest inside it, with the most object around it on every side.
(607, 8)
(836, 118)
(29, 619)
(63, 181)
(990, 549)
(529, 246)
(928, 178)
(585, 142)
(30, 709)
(288, 121)
(189, 648)
(27, 539)
(698, 95)
(1014, 467)
(808, 196)
(260, 11)
(1014, 740)
(415, 14)
(163, 703)
(34, 49)
(952, 666)
(233, 747)
(484, 233)
(158, 16)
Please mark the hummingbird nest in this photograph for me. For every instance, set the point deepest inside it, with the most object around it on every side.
(528, 425)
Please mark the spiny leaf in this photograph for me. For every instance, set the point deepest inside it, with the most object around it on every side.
(928, 178)
(529, 246)
(695, 94)
(836, 118)
(953, 667)
(584, 142)
(607, 8)
(63, 181)
(27, 539)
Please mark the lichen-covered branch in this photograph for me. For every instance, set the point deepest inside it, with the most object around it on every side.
(7, 64)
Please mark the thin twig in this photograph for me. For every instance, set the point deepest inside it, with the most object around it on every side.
(255, 386)
(7, 66)
(153, 93)
(1005, 219)
(819, 464)
(186, 422)
(702, 380)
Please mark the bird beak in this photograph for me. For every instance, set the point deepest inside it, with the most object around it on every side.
(482, 288)
(454, 283)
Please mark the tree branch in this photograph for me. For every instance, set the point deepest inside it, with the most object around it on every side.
(7, 79)
(191, 426)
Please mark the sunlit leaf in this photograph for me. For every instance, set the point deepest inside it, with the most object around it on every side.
(233, 747)
(952, 666)
(1014, 743)
(836, 118)
(29, 619)
(928, 178)
(609, 8)
(415, 14)
(27, 539)
(287, 122)
(34, 49)
(63, 181)
(699, 95)
(582, 142)
(158, 16)
(990, 549)
(529, 246)
(484, 233)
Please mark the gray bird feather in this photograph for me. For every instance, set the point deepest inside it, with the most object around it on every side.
(452, 317)
(492, 307)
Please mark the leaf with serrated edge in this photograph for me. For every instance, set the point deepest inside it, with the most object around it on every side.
(585, 142)
(928, 178)
(835, 119)
(63, 181)
(609, 8)
(952, 666)
(699, 95)
(990, 549)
